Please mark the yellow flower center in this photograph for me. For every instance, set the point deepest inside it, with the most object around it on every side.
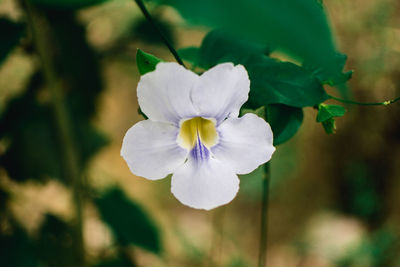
(197, 128)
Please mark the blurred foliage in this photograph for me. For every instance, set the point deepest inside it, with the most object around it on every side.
(33, 147)
(55, 243)
(28, 122)
(377, 250)
(361, 191)
(13, 31)
(129, 222)
(118, 262)
(16, 249)
(66, 4)
(144, 30)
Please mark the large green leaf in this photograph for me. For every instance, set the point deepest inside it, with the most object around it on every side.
(272, 81)
(285, 121)
(130, 224)
(10, 35)
(298, 27)
(333, 80)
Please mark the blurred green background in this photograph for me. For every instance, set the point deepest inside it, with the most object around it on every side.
(334, 198)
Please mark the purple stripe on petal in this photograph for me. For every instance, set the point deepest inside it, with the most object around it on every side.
(200, 151)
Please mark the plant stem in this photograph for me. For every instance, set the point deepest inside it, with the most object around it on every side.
(385, 103)
(262, 255)
(41, 35)
(147, 15)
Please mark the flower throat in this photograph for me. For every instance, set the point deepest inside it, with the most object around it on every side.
(197, 129)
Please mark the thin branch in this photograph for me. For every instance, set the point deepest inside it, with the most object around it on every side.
(262, 255)
(384, 103)
(147, 15)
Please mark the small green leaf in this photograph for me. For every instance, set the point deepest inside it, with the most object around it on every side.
(326, 115)
(190, 54)
(11, 34)
(325, 112)
(329, 126)
(146, 62)
(67, 4)
(272, 82)
(130, 224)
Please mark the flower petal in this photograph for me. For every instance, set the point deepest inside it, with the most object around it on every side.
(245, 143)
(221, 91)
(151, 150)
(204, 184)
(164, 94)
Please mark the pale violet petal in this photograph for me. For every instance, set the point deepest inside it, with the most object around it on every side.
(204, 184)
(164, 94)
(151, 151)
(244, 143)
(221, 91)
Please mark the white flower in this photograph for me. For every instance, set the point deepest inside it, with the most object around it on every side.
(194, 132)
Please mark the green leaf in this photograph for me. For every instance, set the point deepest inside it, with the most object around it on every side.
(299, 28)
(146, 62)
(325, 77)
(325, 112)
(130, 224)
(11, 34)
(285, 121)
(329, 126)
(190, 54)
(326, 115)
(272, 82)
(67, 4)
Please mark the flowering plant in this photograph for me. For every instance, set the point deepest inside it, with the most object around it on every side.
(194, 132)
